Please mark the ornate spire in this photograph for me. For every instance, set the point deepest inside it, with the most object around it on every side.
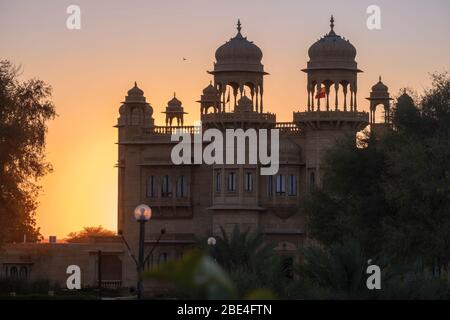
(239, 26)
(332, 26)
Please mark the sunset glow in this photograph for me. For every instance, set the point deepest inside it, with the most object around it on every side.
(120, 42)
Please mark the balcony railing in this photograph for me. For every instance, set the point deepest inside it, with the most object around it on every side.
(111, 284)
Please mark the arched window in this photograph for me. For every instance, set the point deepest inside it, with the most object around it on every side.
(166, 187)
(151, 192)
(248, 182)
(270, 186)
(149, 264)
(136, 117)
(13, 273)
(162, 258)
(23, 273)
(312, 179)
(292, 185)
(181, 187)
(280, 185)
(232, 182)
(218, 182)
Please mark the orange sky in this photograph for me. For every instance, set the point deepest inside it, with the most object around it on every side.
(125, 41)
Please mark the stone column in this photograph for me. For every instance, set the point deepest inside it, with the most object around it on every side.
(261, 99)
(327, 90)
(345, 96)
(336, 89)
(318, 91)
(309, 96)
(257, 98)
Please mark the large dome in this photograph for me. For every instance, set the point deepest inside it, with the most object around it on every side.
(332, 51)
(239, 54)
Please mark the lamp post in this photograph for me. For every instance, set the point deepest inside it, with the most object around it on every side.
(142, 214)
(211, 244)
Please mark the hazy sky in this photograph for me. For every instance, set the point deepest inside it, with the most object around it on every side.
(125, 41)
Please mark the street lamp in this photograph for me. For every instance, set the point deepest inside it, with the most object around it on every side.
(211, 241)
(142, 214)
(211, 244)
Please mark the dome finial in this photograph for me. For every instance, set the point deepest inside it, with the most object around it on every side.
(135, 84)
(332, 22)
(379, 78)
(174, 94)
(239, 26)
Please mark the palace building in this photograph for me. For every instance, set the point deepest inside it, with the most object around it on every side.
(194, 201)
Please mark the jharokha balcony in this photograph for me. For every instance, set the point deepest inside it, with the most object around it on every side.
(357, 120)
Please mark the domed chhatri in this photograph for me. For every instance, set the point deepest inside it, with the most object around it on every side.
(209, 99)
(244, 105)
(135, 110)
(332, 63)
(380, 86)
(174, 110)
(174, 102)
(332, 46)
(380, 96)
(237, 68)
(239, 51)
(210, 90)
(135, 91)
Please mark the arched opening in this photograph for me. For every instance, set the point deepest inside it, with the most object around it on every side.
(23, 273)
(136, 116)
(13, 273)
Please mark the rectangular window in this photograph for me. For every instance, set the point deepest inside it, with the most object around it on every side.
(248, 182)
(181, 187)
(292, 185)
(166, 187)
(280, 185)
(232, 182)
(312, 180)
(151, 192)
(218, 182)
(270, 186)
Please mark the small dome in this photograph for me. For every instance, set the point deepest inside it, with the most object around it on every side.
(332, 47)
(380, 87)
(174, 101)
(244, 104)
(239, 50)
(405, 99)
(135, 91)
(210, 89)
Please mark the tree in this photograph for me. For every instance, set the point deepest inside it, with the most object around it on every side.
(25, 108)
(87, 232)
(392, 196)
(416, 181)
(251, 262)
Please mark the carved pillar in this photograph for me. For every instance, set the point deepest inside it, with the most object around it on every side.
(257, 97)
(327, 91)
(351, 98)
(261, 107)
(336, 89)
(318, 91)
(309, 96)
(344, 89)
